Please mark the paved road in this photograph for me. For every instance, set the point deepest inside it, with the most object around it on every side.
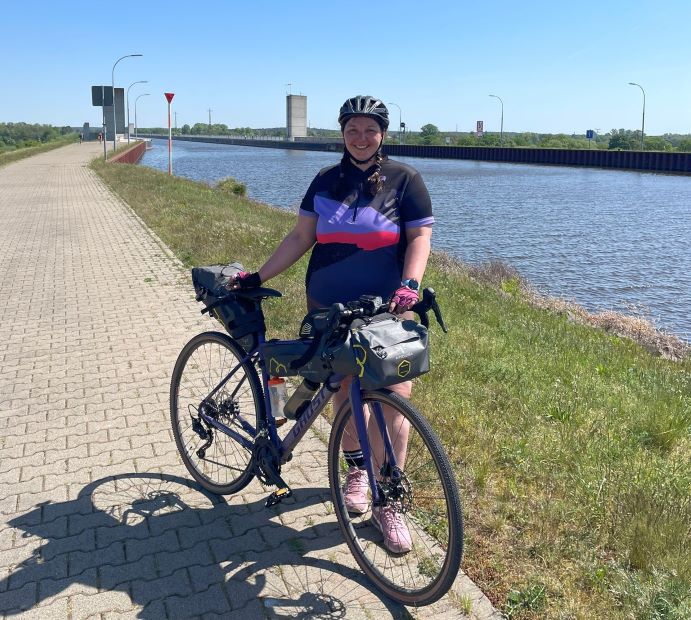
(98, 518)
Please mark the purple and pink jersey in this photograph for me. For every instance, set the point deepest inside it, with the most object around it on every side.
(361, 239)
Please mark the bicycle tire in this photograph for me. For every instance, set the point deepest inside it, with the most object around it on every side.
(225, 466)
(431, 511)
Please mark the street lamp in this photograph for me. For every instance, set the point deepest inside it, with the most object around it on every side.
(128, 106)
(399, 120)
(643, 121)
(501, 135)
(135, 112)
(112, 76)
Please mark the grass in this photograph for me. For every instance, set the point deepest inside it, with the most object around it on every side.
(570, 443)
(8, 157)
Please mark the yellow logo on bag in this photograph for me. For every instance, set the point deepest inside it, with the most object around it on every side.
(404, 368)
(275, 367)
(360, 362)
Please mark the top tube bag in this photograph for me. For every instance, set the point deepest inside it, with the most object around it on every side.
(242, 318)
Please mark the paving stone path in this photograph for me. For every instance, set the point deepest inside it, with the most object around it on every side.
(98, 517)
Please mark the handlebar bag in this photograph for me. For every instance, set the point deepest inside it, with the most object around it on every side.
(382, 350)
(242, 318)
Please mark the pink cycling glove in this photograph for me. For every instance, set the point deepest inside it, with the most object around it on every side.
(403, 299)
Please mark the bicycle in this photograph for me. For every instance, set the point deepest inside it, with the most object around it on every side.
(226, 434)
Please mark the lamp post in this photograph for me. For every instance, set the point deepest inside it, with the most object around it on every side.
(128, 106)
(135, 112)
(399, 120)
(112, 76)
(501, 135)
(643, 120)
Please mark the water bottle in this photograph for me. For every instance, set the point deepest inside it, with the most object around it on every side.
(277, 395)
(300, 399)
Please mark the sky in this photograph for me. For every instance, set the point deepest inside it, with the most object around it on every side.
(557, 67)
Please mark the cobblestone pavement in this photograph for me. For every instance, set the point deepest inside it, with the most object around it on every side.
(98, 517)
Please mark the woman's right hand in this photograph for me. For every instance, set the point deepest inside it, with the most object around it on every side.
(244, 280)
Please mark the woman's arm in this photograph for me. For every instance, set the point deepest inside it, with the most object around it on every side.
(417, 252)
(290, 250)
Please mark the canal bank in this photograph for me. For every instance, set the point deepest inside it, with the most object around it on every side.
(642, 161)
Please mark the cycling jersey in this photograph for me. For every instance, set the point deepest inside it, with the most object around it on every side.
(361, 240)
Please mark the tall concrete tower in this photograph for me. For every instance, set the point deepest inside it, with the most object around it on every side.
(296, 116)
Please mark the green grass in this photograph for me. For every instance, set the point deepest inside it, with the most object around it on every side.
(7, 157)
(571, 445)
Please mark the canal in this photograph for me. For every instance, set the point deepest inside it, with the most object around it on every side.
(605, 239)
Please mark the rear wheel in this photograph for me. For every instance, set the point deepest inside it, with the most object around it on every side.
(422, 495)
(220, 463)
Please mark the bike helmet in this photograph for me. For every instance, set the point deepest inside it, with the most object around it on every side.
(364, 105)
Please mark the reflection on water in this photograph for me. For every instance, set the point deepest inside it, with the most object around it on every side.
(603, 238)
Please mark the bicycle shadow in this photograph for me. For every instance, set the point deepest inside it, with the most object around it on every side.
(178, 551)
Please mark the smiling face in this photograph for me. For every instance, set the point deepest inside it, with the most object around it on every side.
(362, 136)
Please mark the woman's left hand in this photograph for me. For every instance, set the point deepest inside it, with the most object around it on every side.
(403, 300)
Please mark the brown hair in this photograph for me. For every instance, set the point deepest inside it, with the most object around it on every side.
(374, 182)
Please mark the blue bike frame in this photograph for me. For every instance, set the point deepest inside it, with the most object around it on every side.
(286, 446)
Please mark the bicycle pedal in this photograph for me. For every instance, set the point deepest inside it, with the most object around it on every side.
(277, 496)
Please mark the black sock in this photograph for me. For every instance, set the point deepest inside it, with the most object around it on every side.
(354, 458)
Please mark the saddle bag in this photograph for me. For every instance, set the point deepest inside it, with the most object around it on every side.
(242, 318)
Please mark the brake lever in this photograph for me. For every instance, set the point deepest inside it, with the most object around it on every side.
(437, 315)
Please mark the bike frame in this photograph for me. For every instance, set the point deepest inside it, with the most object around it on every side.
(285, 447)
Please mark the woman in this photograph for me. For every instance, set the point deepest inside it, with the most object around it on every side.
(368, 221)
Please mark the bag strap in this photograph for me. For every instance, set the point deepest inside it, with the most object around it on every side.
(310, 352)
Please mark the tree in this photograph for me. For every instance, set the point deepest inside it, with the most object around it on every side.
(623, 139)
(429, 134)
(657, 143)
(185, 129)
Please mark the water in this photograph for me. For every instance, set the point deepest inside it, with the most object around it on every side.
(605, 239)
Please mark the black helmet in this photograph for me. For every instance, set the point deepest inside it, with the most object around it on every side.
(364, 105)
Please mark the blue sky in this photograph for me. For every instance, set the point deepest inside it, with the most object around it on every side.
(558, 67)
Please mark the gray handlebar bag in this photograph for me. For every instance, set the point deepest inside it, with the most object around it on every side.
(382, 350)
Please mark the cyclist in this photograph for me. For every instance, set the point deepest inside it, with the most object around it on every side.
(368, 221)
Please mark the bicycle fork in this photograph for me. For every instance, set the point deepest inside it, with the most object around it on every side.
(389, 463)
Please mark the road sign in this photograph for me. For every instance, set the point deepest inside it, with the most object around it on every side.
(590, 134)
(480, 129)
(169, 96)
(102, 95)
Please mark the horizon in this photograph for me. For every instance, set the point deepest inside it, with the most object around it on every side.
(557, 69)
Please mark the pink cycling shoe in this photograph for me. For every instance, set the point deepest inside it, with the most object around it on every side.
(355, 491)
(392, 526)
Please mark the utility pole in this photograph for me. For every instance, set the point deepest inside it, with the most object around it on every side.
(210, 110)
(176, 121)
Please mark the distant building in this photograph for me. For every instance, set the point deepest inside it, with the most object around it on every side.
(296, 116)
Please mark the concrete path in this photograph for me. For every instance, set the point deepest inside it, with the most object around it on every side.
(98, 517)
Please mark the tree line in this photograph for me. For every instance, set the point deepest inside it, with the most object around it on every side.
(20, 135)
(429, 134)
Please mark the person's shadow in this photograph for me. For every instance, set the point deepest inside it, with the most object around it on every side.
(178, 551)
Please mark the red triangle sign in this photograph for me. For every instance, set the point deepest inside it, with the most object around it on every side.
(169, 96)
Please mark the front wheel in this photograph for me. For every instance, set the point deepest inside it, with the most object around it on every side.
(220, 463)
(420, 494)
